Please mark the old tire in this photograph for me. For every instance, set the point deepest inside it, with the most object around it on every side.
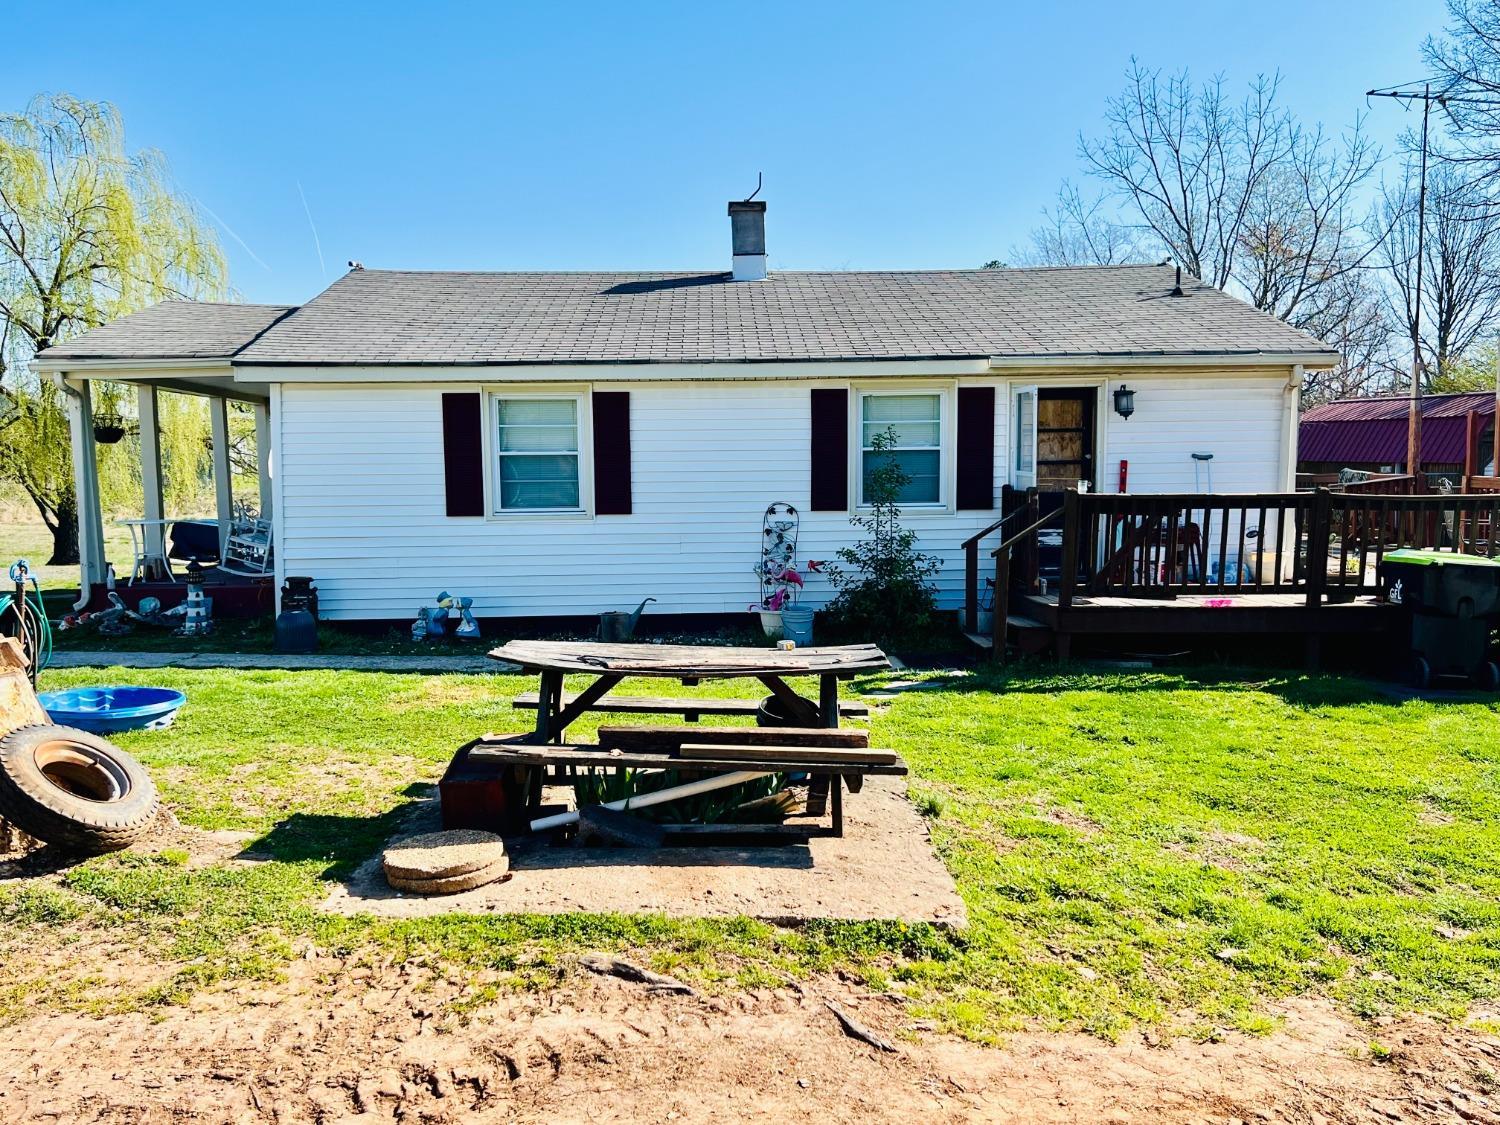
(74, 790)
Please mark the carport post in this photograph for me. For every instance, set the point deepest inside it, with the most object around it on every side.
(218, 413)
(152, 507)
(263, 457)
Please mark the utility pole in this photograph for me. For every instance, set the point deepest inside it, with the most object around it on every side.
(1414, 409)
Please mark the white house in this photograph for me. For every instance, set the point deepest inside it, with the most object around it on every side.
(566, 443)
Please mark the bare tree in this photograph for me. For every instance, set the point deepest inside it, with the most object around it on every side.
(1461, 290)
(1465, 61)
(1086, 232)
(1352, 314)
(1240, 195)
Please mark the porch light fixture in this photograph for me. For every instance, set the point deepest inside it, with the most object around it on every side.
(1124, 401)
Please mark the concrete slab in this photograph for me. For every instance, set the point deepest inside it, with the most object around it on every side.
(884, 867)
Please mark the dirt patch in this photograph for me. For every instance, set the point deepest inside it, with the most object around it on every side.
(339, 1041)
(883, 867)
(29, 859)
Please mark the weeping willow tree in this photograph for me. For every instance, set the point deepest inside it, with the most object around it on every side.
(88, 232)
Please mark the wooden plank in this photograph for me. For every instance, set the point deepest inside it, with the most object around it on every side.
(19, 706)
(761, 752)
(678, 705)
(728, 835)
(678, 661)
(591, 757)
(665, 738)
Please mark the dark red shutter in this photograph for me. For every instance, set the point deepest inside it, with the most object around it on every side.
(612, 453)
(463, 453)
(976, 448)
(830, 450)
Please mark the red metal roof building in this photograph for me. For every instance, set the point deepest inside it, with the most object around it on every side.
(1370, 433)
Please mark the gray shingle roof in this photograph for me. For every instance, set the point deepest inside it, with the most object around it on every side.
(174, 330)
(393, 317)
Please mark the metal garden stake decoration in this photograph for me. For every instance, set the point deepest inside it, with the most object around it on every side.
(780, 584)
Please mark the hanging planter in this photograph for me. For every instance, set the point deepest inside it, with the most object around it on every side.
(109, 429)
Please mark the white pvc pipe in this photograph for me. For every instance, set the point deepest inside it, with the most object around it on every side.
(660, 797)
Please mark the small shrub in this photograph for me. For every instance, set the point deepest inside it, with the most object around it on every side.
(885, 588)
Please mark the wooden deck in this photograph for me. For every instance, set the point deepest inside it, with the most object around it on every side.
(1189, 614)
(1306, 564)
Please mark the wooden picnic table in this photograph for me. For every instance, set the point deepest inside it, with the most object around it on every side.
(692, 664)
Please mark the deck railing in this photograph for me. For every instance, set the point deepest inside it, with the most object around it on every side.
(1323, 545)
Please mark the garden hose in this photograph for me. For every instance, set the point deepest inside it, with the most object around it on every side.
(23, 616)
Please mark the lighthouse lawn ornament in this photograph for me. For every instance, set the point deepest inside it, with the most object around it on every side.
(197, 622)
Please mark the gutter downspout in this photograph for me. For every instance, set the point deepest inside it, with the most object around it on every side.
(1290, 404)
(79, 412)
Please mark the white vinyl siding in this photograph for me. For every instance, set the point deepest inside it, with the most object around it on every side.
(1236, 418)
(359, 473)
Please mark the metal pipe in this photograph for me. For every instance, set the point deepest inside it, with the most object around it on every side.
(660, 797)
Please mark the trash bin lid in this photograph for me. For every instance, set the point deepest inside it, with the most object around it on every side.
(1437, 558)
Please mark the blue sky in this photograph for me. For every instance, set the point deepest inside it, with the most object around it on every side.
(610, 135)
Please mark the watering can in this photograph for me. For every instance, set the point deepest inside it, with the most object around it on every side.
(617, 625)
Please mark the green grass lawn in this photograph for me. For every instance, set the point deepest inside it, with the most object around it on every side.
(29, 539)
(1141, 848)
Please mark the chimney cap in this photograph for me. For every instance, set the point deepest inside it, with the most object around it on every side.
(746, 205)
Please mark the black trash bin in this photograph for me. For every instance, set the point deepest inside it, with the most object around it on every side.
(1451, 602)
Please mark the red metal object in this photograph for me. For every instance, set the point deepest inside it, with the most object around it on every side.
(1124, 474)
(1373, 431)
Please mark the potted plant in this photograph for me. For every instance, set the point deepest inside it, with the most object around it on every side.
(785, 586)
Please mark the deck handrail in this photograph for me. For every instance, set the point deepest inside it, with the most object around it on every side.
(1323, 546)
(973, 540)
(1025, 531)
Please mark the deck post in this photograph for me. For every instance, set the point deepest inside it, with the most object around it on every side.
(152, 505)
(1069, 576)
(1320, 523)
(1000, 619)
(971, 588)
(1032, 559)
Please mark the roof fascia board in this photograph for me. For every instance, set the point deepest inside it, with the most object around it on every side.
(601, 372)
(86, 368)
(1315, 361)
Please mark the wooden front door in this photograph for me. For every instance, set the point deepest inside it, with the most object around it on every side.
(1065, 439)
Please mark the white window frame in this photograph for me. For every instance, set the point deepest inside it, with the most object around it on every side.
(493, 395)
(947, 453)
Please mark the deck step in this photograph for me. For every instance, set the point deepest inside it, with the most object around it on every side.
(983, 640)
(1019, 623)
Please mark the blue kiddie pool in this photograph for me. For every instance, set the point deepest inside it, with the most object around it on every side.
(104, 710)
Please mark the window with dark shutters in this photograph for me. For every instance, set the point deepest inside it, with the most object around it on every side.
(463, 453)
(975, 460)
(830, 450)
(612, 453)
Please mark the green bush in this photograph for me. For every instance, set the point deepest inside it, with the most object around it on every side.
(885, 589)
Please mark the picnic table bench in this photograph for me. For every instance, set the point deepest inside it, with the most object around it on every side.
(832, 758)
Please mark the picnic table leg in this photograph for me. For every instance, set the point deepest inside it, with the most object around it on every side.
(838, 804)
(828, 700)
(548, 704)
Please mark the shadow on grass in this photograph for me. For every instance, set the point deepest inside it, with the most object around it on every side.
(343, 842)
(1306, 690)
